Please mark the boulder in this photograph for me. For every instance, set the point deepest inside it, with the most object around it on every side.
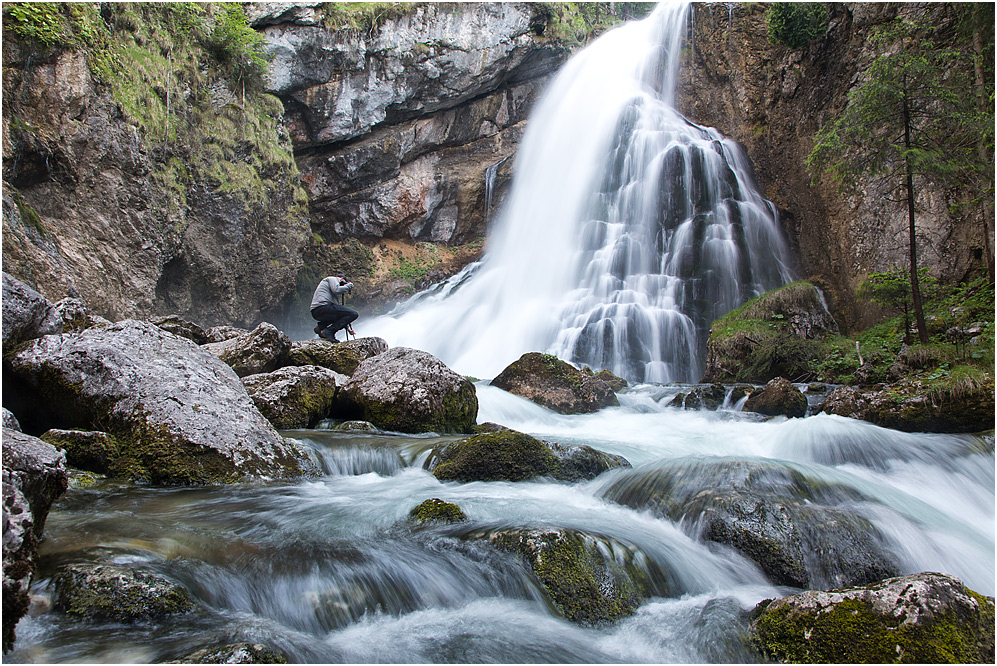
(555, 384)
(235, 653)
(437, 511)
(34, 476)
(178, 414)
(76, 316)
(293, 397)
(508, 455)
(356, 426)
(709, 396)
(261, 350)
(614, 382)
(777, 398)
(589, 580)
(185, 329)
(223, 333)
(342, 358)
(408, 390)
(796, 530)
(926, 618)
(915, 406)
(26, 313)
(10, 421)
(89, 450)
(118, 593)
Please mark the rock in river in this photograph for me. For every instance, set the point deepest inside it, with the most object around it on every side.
(178, 414)
(555, 384)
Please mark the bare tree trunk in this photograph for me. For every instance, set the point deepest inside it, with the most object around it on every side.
(988, 206)
(915, 288)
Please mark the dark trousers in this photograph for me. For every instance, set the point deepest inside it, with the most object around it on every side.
(334, 316)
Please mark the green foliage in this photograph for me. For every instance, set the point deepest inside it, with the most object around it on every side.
(575, 23)
(42, 22)
(238, 47)
(892, 289)
(796, 24)
(363, 18)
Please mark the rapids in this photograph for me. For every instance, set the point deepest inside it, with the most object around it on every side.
(327, 570)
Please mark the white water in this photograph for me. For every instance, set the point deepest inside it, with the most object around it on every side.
(628, 229)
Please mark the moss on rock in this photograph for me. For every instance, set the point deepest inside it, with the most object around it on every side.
(112, 592)
(92, 451)
(498, 456)
(555, 384)
(436, 510)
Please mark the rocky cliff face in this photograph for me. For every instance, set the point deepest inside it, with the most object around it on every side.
(773, 99)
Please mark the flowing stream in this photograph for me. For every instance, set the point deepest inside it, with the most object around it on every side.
(627, 231)
(328, 569)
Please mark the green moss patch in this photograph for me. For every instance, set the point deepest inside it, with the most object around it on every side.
(437, 511)
(498, 456)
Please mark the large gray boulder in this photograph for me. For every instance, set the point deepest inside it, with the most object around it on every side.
(555, 384)
(261, 350)
(34, 476)
(26, 313)
(177, 413)
(925, 618)
(76, 315)
(409, 390)
(343, 357)
(799, 531)
(293, 397)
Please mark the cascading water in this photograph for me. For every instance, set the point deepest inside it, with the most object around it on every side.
(628, 228)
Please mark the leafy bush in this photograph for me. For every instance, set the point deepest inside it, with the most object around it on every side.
(39, 21)
(796, 24)
(238, 47)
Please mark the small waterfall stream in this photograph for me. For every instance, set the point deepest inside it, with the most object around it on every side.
(627, 231)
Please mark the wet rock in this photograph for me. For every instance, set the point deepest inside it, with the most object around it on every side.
(34, 476)
(10, 421)
(409, 390)
(112, 592)
(356, 426)
(702, 397)
(76, 316)
(177, 325)
(178, 414)
(26, 313)
(507, 455)
(589, 580)
(263, 349)
(614, 382)
(797, 530)
(343, 357)
(778, 398)
(89, 450)
(223, 333)
(293, 397)
(925, 618)
(915, 406)
(236, 653)
(555, 384)
(437, 511)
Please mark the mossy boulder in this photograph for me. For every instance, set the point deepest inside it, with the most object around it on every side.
(436, 510)
(264, 349)
(408, 390)
(34, 476)
(119, 593)
(293, 397)
(342, 358)
(235, 653)
(914, 405)
(178, 415)
(26, 313)
(508, 455)
(798, 530)
(775, 334)
(355, 426)
(89, 450)
(616, 383)
(708, 396)
(555, 384)
(926, 618)
(589, 580)
(779, 397)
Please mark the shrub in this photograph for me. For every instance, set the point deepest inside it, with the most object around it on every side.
(796, 24)
(238, 47)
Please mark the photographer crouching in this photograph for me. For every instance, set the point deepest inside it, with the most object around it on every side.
(331, 315)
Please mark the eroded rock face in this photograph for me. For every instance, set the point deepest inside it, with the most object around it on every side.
(178, 414)
(555, 384)
(778, 398)
(409, 390)
(912, 406)
(293, 397)
(797, 530)
(923, 618)
(113, 592)
(263, 349)
(342, 358)
(26, 313)
(34, 476)
(89, 450)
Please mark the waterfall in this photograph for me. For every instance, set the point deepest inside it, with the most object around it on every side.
(628, 229)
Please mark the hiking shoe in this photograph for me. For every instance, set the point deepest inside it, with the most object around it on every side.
(326, 334)
(317, 329)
